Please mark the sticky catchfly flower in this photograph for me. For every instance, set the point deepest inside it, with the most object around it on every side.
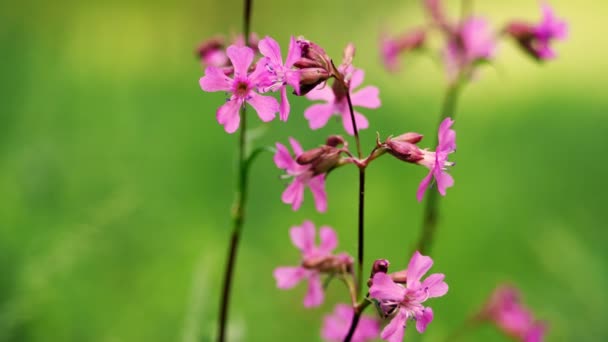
(536, 39)
(279, 74)
(315, 261)
(505, 309)
(437, 162)
(337, 104)
(303, 176)
(336, 325)
(241, 89)
(405, 301)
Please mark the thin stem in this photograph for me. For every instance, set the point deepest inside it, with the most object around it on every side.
(238, 217)
(358, 310)
(431, 209)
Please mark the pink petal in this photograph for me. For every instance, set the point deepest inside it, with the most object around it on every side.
(447, 136)
(329, 240)
(270, 48)
(288, 277)
(318, 115)
(294, 194)
(284, 107)
(215, 80)
(367, 97)
(347, 122)
(303, 237)
(260, 77)
(295, 146)
(314, 296)
(317, 187)
(283, 159)
(435, 286)
(292, 77)
(266, 106)
(395, 330)
(424, 319)
(536, 333)
(322, 92)
(444, 181)
(294, 52)
(241, 58)
(228, 115)
(418, 266)
(357, 79)
(383, 288)
(424, 185)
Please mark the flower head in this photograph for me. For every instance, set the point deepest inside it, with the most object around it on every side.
(336, 103)
(303, 176)
(403, 302)
(315, 261)
(536, 39)
(336, 325)
(241, 89)
(391, 48)
(279, 75)
(506, 310)
(472, 42)
(437, 162)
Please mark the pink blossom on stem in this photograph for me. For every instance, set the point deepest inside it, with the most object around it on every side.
(336, 103)
(403, 302)
(279, 74)
(315, 261)
(506, 310)
(336, 326)
(392, 48)
(303, 176)
(473, 41)
(240, 88)
(437, 162)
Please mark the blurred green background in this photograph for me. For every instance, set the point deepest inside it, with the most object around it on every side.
(116, 181)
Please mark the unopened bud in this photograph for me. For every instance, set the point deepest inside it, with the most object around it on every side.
(410, 137)
(349, 54)
(524, 35)
(403, 147)
(330, 263)
(321, 159)
(211, 52)
(312, 52)
(335, 141)
(399, 277)
(310, 78)
(379, 266)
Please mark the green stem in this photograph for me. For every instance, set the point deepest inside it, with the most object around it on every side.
(358, 310)
(431, 209)
(238, 217)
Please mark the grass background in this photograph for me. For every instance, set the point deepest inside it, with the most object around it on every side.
(116, 180)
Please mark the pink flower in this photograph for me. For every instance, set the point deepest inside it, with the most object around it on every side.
(241, 89)
(315, 260)
(472, 42)
(279, 74)
(548, 29)
(303, 175)
(437, 161)
(336, 326)
(336, 103)
(505, 309)
(405, 302)
(391, 48)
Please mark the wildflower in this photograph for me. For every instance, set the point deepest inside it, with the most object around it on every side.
(437, 162)
(241, 89)
(280, 74)
(536, 39)
(315, 66)
(391, 48)
(303, 176)
(211, 52)
(404, 147)
(472, 42)
(336, 103)
(336, 326)
(505, 309)
(404, 302)
(315, 261)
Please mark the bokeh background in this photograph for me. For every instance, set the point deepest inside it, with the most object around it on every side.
(116, 181)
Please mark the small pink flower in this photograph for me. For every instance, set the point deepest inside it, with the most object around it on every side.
(437, 162)
(505, 309)
(405, 302)
(336, 326)
(473, 41)
(279, 74)
(315, 260)
(241, 89)
(548, 29)
(336, 103)
(391, 48)
(303, 176)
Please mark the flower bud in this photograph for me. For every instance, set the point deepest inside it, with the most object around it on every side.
(335, 141)
(310, 78)
(322, 159)
(524, 35)
(312, 53)
(403, 147)
(211, 52)
(330, 263)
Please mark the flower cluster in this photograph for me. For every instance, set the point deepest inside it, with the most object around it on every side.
(470, 40)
